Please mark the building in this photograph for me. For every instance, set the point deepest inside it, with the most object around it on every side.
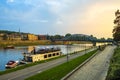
(32, 37)
(2, 36)
(42, 37)
(24, 36)
(41, 55)
(14, 37)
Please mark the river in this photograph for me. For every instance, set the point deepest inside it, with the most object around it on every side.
(16, 54)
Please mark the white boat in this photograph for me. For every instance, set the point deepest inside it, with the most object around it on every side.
(11, 64)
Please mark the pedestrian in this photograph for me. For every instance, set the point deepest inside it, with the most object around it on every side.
(99, 47)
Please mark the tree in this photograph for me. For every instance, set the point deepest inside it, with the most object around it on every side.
(102, 38)
(116, 30)
(116, 36)
(58, 37)
(68, 35)
(109, 39)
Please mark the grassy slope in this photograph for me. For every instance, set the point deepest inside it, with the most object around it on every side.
(114, 69)
(60, 71)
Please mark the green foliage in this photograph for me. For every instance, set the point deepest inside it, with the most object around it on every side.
(79, 37)
(68, 35)
(7, 32)
(110, 39)
(60, 71)
(114, 69)
(116, 36)
(102, 38)
(116, 30)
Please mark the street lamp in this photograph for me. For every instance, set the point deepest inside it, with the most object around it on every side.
(85, 44)
(67, 54)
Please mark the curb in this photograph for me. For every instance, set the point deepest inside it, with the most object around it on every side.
(73, 71)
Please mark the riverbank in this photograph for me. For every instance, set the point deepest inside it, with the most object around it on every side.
(24, 43)
(38, 42)
(114, 68)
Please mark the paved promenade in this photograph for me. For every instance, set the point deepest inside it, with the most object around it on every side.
(96, 68)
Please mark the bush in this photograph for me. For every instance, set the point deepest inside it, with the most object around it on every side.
(114, 68)
(117, 73)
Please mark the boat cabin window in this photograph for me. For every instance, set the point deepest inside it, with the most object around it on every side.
(45, 56)
(57, 53)
(49, 55)
(53, 54)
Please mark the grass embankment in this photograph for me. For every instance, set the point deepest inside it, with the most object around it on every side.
(60, 71)
(114, 68)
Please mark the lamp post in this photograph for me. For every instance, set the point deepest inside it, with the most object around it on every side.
(67, 54)
(85, 44)
(85, 47)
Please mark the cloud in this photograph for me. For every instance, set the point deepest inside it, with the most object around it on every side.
(75, 16)
(98, 18)
(95, 18)
(59, 21)
(10, 1)
(59, 6)
(55, 6)
(43, 21)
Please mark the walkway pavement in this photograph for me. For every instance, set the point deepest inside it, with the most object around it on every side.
(96, 68)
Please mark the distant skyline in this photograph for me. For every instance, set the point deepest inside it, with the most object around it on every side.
(91, 17)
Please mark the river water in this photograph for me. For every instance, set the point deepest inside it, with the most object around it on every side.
(16, 54)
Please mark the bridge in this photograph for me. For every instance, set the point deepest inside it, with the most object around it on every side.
(85, 38)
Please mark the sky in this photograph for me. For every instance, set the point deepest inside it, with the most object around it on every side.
(91, 17)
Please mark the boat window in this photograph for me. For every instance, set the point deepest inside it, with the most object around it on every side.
(53, 54)
(57, 53)
(49, 55)
(45, 56)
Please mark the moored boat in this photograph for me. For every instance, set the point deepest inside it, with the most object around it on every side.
(9, 47)
(11, 64)
(42, 54)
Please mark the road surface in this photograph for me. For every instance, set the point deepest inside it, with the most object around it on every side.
(27, 72)
(96, 68)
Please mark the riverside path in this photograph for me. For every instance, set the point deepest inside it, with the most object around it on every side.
(96, 68)
(30, 71)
